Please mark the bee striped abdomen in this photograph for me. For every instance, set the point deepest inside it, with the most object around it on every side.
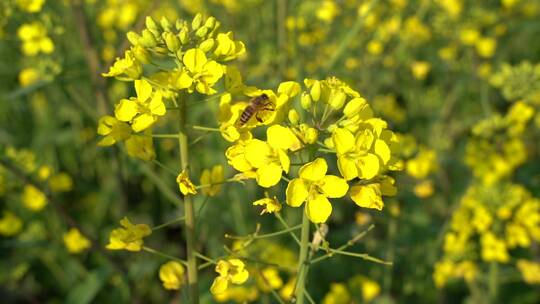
(246, 115)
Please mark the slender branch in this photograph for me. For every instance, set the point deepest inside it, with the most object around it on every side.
(278, 216)
(302, 261)
(256, 236)
(349, 243)
(175, 136)
(180, 219)
(164, 255)
(203, 128)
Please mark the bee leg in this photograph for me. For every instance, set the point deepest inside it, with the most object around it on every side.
(258, 118)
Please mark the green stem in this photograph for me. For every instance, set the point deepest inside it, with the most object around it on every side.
(291, 233)
(493, 287)
(168, 223)
(302, 262)
(263, 236)
(203, 128)
(188, 208)
(164, 255)
(175, 136)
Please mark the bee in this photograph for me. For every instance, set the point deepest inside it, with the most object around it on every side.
(256, 105)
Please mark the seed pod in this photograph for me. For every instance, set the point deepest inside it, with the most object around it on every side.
(197, 22)
(207, 45)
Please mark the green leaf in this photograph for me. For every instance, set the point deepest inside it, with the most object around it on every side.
(86, 291)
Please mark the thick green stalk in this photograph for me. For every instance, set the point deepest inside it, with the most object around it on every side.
(302, 260)
(188, 208)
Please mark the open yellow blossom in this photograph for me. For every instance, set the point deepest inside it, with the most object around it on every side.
(494, 249)
(171, 275)
(529, 270)
(212, 179)
(228, 49)
(142, 111)
(185, 184)
(33, 198)
(364, 154)
(34, 38)
(130, 237)
(10, 224)
(31, 6)
(200, 74)
(265, 160)
(486, 47)
(127, 68)
(420, 69)
(271, 205)
(113, 130)
(230, 271)
(141, 146)
(75, 242)
(315, 187)
(29, 76)
(269, 278)
(338, 294)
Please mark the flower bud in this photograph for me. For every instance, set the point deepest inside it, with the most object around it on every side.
(354, 106)
(201, 32)
(293, 116)
(310, 136)
(151, 24)
(141, 54)
(165, 24)
(183, 36)
(148, 39)
(172, 42)
(197, 22)
(207, 45)
(305, 101)
(337, 100)
(210, 23)
(133, 38)
(315, 91)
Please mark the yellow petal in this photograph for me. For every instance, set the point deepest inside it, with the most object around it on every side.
(184, 81)
(194, 60)
(347, 167)
(219, 285)
(126, 109)
(240, 277)
(268, 175)
(364, 140)
(280, 137)
(157, 107)
(258, 153)
(142, 122)
(368, 196)
(382, 150)
(318, 209)
(143, 89)
(297, 192)
(333, 186)
(343, 140)
(315, 170)
(289, 88)
(368, 166)
(284, 161)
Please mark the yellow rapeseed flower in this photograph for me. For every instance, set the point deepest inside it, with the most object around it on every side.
(171, 275)
(271, 205)
(529, 270)
(213, 178)
(230, 271)
(185, 184)
(30, 6)
(130, 237)
(142, 111)
(199, 74)
(315, 187)
(113, 130)
(35, 40)
(33, 198)
(10, 224)
(75, 242)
